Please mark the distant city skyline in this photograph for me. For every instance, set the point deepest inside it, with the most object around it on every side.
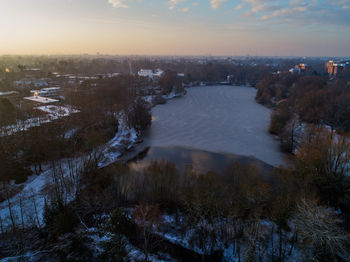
(176, 27)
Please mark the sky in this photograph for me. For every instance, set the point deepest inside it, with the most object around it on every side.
(176, 27)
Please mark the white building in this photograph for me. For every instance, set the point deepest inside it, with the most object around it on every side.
(150, 74)
(47, 91)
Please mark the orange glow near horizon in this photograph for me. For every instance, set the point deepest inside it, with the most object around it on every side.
(154, 27)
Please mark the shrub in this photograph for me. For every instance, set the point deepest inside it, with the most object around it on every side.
(59, 219)
(121, 224)
(114, 250)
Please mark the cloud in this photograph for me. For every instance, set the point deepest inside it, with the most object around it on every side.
(118, 3)
(284, 12)
(215, 4)
(274, 9)
(297, 12)
(174, 3)
(239, 7)
(262, 5)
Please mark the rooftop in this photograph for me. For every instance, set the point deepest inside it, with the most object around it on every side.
(40, 99)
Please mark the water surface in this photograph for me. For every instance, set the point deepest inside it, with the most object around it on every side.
(221, 119)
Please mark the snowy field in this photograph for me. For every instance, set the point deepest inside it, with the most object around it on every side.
(222, 119)
(53, 113)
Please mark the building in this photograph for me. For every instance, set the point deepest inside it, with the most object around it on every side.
(335, 68)
(300, 69)
(47, 92)
(37, 99)
(31, 82)
(145, 73)
(152, 76)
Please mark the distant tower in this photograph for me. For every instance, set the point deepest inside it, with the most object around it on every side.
(130, 67)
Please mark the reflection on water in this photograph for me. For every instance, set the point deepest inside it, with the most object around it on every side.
(199, 160)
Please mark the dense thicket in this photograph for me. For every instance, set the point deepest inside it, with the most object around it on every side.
(8, 112)
(170, 81)
(309, 99)
(313, 98)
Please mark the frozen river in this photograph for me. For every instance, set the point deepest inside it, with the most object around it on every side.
(222, 119)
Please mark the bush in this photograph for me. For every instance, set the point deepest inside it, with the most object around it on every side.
(73, 248)
(319, 228)
(279, 118)
(59, 219)
(121, 224)
(114, 250)
(159, 100)
(162, 184)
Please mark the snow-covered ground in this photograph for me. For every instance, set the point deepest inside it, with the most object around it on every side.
(31, 200)
(224, 119)
(124, 139)
(53, 113)
(29, 257)
(134, 254)
(56, 112)
(29, 203)
(172, 230)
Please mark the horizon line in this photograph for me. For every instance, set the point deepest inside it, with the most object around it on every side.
(176, 55)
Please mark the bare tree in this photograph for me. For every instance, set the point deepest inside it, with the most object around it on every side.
(319, 228)
(148, 218)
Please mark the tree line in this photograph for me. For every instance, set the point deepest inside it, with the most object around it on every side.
(297, 100)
